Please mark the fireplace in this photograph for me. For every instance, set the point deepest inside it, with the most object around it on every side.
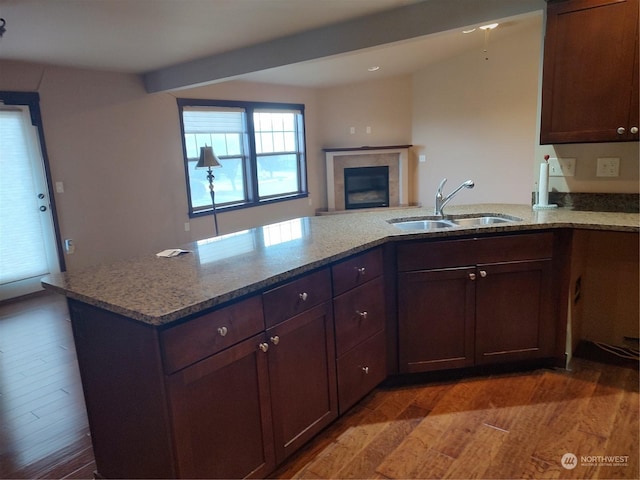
(366, 187)
(394, 158)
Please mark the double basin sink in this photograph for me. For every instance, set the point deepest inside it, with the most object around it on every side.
(467, 221)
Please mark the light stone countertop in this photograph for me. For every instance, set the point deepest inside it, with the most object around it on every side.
(158, 291)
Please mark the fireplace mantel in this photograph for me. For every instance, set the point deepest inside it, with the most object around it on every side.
(366, 147)
(396, 156)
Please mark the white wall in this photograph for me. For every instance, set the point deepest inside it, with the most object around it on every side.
(476, 119)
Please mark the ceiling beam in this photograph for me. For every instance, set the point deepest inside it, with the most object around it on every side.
(414, 20)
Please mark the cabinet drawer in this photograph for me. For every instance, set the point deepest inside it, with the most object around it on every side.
(361, 370)
(356, 270)
(474, 251)
(295, 297)
(210, 333)
(358, 314)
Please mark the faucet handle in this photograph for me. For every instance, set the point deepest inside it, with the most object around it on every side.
(441, 186)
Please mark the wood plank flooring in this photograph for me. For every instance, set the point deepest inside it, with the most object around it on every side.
(44, 431)
(500, 426)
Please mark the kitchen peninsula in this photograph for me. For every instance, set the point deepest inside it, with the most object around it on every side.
(213, 350)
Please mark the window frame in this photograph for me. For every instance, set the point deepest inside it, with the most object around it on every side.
(250, 174)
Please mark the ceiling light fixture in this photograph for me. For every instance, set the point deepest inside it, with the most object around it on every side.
(490, 26)
(374, 68)
(471, 30)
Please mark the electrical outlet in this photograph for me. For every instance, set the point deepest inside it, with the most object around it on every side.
(562, 167)
(608, 167)
(69, 246)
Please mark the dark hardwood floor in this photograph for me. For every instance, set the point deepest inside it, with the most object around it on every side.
(44, 431)
(501, 426)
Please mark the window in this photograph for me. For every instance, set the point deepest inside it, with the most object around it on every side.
(260, 146)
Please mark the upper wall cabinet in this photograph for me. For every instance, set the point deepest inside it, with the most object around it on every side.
(590, 75)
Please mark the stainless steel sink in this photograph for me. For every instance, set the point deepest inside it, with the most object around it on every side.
(424, 225)
(431, 224)
(483, 220)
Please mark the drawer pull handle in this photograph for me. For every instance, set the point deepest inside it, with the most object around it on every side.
(303, 296)
(264, 347)
(223, 331)
(621, 130)
(472, 276)
(363, 315)
(633, 130)
(361, 270)
(365, 370)
(275, 339)
(483, 273)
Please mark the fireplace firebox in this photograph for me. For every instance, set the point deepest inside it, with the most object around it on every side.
(366, 187)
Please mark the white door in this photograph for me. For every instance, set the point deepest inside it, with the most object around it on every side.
(27, 236)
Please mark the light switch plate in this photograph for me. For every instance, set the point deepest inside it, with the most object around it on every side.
(562, 167)
(608, 167)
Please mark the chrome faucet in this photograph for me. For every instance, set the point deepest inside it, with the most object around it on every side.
(441, 202)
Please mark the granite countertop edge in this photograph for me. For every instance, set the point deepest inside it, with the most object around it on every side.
(328, 240)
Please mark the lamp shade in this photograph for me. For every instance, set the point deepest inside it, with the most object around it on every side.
(207, 158)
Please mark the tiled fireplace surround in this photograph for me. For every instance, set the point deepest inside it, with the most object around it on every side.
(395, 157)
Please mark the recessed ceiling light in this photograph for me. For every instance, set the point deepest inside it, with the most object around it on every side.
(373, 68)
(469, 31)
(491, 26)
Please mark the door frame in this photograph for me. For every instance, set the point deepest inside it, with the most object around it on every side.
(32, 101)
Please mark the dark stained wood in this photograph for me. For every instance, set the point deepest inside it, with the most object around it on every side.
(360, 370)
(366, 147)
(395, 432)
(302, 374)
(123, 383)
(466, 252)
(294, 297)
(359, 314)
(222, 415)
(356, 270)
(436, 311)
(207, 334)
(589, 85)
(514, 315)
(44, 432)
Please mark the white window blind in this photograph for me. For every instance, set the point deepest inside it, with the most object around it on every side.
(22, 254)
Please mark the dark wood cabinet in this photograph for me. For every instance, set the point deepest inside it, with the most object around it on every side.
(513, 316)
(590, 72)
(436, 312)
(221, 412)
(474, 302)
(359, 306)
(302, 374)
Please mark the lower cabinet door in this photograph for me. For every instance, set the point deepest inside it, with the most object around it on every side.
(361, 369)
(302, 373)
(436, 319)
(514, 318)
(221, 414)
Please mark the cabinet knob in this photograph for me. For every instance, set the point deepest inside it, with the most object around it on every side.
(361, 270)
(483, 273)
(303, 296)
(275, 339)
(633, 130)
(365, 370)
(472, 276)
(222, 331)
(620, 130)
(264, 347)
(363, 315)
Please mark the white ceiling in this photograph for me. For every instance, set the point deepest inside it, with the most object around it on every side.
(138, 36)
